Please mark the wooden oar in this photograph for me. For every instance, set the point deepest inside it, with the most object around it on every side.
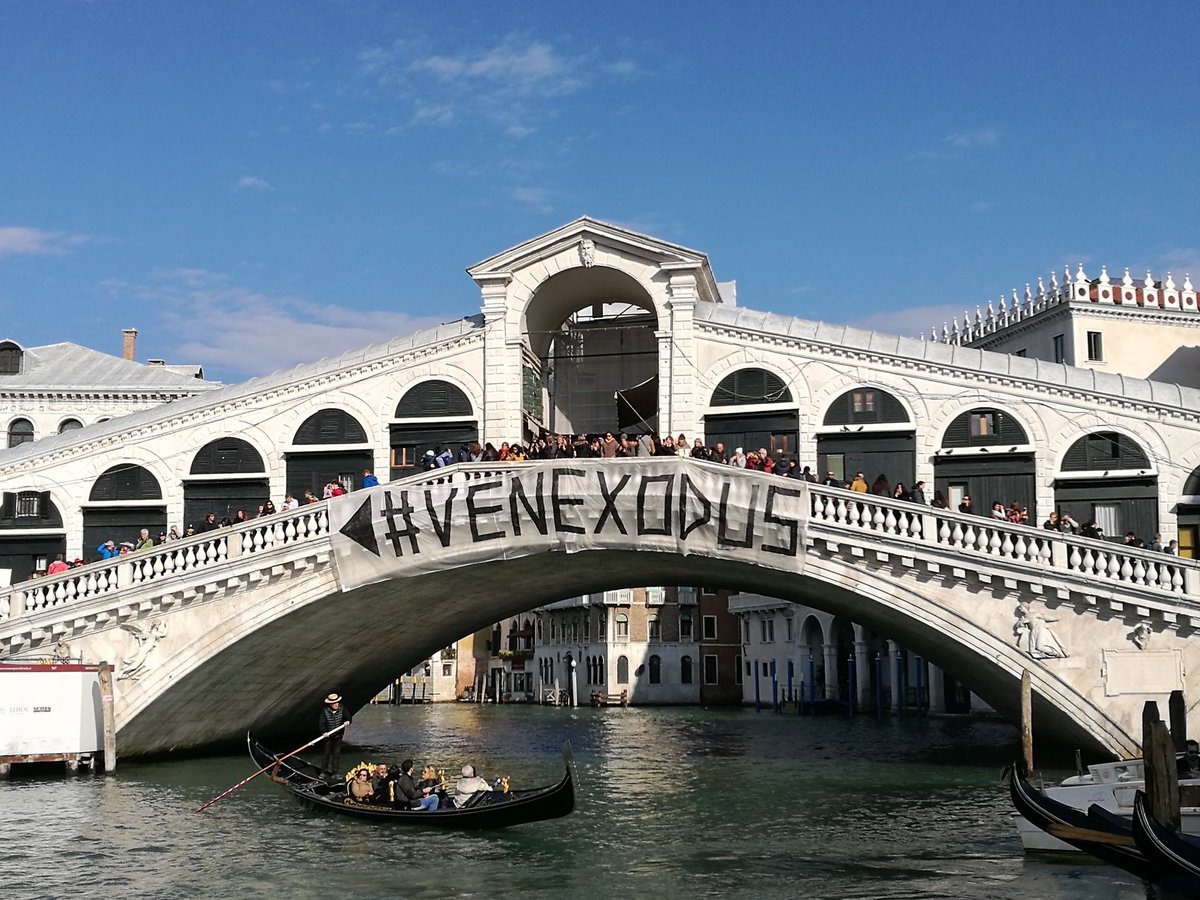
(271, 765)
(1070, 832)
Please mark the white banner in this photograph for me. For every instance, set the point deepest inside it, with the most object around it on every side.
(669, 505)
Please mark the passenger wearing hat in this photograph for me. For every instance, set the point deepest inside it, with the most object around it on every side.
(107, 550)
(332, 716)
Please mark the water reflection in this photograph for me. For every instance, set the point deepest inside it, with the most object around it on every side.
(674, 802)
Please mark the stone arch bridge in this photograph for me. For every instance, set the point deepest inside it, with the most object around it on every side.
(249, 626)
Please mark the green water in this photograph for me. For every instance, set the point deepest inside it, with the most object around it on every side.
(673, 803)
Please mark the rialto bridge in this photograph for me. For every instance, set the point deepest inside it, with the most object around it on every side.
(591, 328)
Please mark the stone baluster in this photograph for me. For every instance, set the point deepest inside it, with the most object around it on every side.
(1074, 560)
(956, 534)
(1139, 572)
(1006, 545)
(879, 520)
(1021, 549)
(1091, 561)
(1126, 569)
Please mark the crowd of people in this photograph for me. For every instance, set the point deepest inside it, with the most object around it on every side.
(611, 446)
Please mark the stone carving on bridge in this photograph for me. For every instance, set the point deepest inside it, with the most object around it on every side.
(62, 652)
(136, 663)
(1141, 635)
(1034, 635)
(587, 252)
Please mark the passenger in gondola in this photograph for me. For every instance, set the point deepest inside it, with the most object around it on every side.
(1188, 765)
(359, 787)
(381, 782)
(408, 795)
(429, 786)
(468, 786)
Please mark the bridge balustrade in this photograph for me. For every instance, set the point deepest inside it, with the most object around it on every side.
(164, 561)
(833, 509)
(1029, 545)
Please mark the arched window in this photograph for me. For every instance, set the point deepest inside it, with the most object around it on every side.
(540, 629)
(865, 406)
(433, 399)
(1103, 451)
(126, 482)
(622, 622)
(685, 670)
(747, 386)
(601, 671)
(985, 428)
(69, 425)
(20, 432)
(331, 426)
(227, 455)
(653, 630)
(685, 627)
(655, 669)
(622, 670)
(10, 358)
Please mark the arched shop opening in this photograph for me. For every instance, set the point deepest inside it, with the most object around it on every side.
(986, 455)
(867, 430)
(227, 474)
(123, 501)
(31, 534)
(1108, 477)
(331, 445)
(1187, 514)
(761, 414)
(430, 416)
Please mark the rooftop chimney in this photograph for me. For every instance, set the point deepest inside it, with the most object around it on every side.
(128, 341)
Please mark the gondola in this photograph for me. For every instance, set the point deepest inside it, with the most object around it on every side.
(1103, 837)
(1177, 856)
(486, 809)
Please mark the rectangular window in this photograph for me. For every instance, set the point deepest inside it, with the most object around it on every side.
(710, 668)
(737, 670)
(863, 402)
(746, 630)
(685, 628)
(447, 669)
(710, 628)
(654, 631)
(766, 670)
(983, 424)
(789, 630)
(1108, 517)
(1095, 341)
(622, 628)
(836, 463)
(749, 671)
(27, 505)
(956, 494)
(1060, 353)
(768, 631)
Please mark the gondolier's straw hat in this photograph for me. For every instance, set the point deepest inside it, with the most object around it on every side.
(334, 698)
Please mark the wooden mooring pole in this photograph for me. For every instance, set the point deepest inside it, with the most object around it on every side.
(1158, 758)
(108, 716)
(1027, 720)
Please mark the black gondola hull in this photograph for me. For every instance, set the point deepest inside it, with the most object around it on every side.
(1177, 856)
(486, 811)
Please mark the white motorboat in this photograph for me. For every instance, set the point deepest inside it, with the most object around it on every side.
(1111, 786)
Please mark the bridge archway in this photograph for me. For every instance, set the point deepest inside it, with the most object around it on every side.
(590, 335)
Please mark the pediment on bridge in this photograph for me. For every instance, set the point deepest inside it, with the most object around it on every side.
(588, 242)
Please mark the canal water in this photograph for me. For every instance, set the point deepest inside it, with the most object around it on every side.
(674, 802)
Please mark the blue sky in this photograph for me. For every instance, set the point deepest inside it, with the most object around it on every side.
(256, 184)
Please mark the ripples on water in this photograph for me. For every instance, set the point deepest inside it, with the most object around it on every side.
(673, 802)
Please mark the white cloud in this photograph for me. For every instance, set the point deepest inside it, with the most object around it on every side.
(235, 329)
(911, 322)
(18, 241)
(1182, 259)
(967, 140)
(537, 199)
(251, 183)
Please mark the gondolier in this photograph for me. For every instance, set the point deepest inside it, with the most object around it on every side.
(333, 715)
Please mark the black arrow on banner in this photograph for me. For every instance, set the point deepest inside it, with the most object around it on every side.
(360, 530)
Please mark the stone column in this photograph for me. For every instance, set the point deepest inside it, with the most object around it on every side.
(862, 668)
(831, 671)
(897, 676)
(502, 376)
(937, 690)
(677, 359)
